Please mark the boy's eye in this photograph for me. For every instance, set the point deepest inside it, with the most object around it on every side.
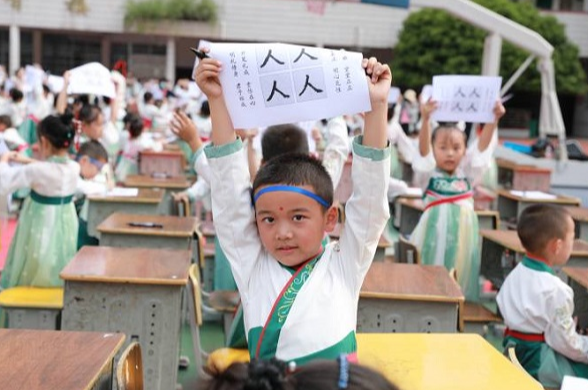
(298, 217)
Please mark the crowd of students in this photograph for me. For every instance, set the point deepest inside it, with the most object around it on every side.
(271, 193)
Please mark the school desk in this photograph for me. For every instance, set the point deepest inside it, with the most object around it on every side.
(383, 243)
(42, 359)
(396, 208)
(578, 281)
(580, 217)
(510, 206)
(170, 232)
(100, 207)
(513, 176)
(412, 209)
(495, 242)
(441, 362)
(161, 164)
(135, 291)
(408, 298)
(167, 184)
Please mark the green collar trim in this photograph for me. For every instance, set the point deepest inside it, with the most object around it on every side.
(537, 265)
(59, 159)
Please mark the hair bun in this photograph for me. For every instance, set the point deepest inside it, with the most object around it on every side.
(266, 375)
(67, 118)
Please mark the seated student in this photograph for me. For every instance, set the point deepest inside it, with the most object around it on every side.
(275, 248)
(277, 375)
(537, 306)
(92, 156)
(133, 142)
(10, 135)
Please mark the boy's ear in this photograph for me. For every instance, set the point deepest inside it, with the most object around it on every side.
(332, 218)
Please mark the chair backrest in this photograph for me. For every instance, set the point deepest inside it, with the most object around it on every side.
(129, 370)
(195, 305)
(408, 252)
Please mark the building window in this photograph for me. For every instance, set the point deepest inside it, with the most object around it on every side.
(62, 52)
(4, 48)
(26, 48)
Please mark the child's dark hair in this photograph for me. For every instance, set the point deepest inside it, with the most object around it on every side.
(58, 130)
(296, 169)
(147, 97)
(93, 149)
(16, 95)
(135, 127)
(275, 375)
(282, 139)
(540, 223)
(446, 126)
(89, 113)
(205, 109)
(6, 121)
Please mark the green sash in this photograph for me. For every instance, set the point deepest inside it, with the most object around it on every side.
(263, 344)
(51, 200)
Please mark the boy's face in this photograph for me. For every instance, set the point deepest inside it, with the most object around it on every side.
(563, 247)
(90, 167)
(291, 225)
(449, 149)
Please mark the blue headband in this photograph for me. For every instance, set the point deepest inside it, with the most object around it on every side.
(292, 189)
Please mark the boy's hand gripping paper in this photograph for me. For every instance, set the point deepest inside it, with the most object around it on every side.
(465, 98)
(274, 83)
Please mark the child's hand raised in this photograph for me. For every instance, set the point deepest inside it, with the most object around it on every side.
(428, 108)
(207, 77)
(499, 110)
(185, 129)
(379, 81)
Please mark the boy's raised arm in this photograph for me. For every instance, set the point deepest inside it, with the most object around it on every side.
(207, 78)
(376, 125)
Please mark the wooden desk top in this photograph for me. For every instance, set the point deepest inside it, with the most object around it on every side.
(579, 214)
(564, 200)
(510, 239)
(336, 233)
(578, 274)
(146, 195)
(174, 183)
(163, 153)
(441, 362)
(118, 223)
(41, 359)
(410, 282)
(129, 265)
(507, 164)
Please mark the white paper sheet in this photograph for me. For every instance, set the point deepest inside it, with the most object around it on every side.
(92, 78)
(534, 195)
(393, 95)
(426, 93)
(273, 83)
(34, 76)
(55, 83)
(574, 383)
(123, 191)
(465, 98)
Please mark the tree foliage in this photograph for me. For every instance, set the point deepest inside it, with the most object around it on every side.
(433, 42)
(154, 10)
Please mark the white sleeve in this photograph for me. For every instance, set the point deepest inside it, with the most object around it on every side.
(476, 163)
(423, 167)
(110, 135)
(14, 177)
(89, 187)
(337, 149)
(199, 190)
(366, 211)
(397, 137)
(234, 216)
(560, 333)
(201, 166)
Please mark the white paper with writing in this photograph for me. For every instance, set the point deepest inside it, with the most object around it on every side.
(465, 98)
(93, 79)
(273, 83)
(426, 93)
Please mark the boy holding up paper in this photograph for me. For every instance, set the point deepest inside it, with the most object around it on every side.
(299, 298)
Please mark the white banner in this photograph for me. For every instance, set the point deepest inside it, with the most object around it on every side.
(92, 79)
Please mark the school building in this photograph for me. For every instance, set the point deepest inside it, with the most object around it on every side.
(63, 34)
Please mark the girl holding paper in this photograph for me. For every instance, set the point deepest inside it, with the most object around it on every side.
(447, 233)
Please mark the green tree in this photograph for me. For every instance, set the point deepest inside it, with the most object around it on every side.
(433, 42)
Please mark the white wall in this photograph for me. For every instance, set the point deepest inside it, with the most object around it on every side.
(576, 28)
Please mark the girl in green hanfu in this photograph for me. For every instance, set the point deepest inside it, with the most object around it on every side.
(447, 233)
(45, 238)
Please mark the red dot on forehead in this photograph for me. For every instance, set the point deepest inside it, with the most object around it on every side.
(281, 208)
